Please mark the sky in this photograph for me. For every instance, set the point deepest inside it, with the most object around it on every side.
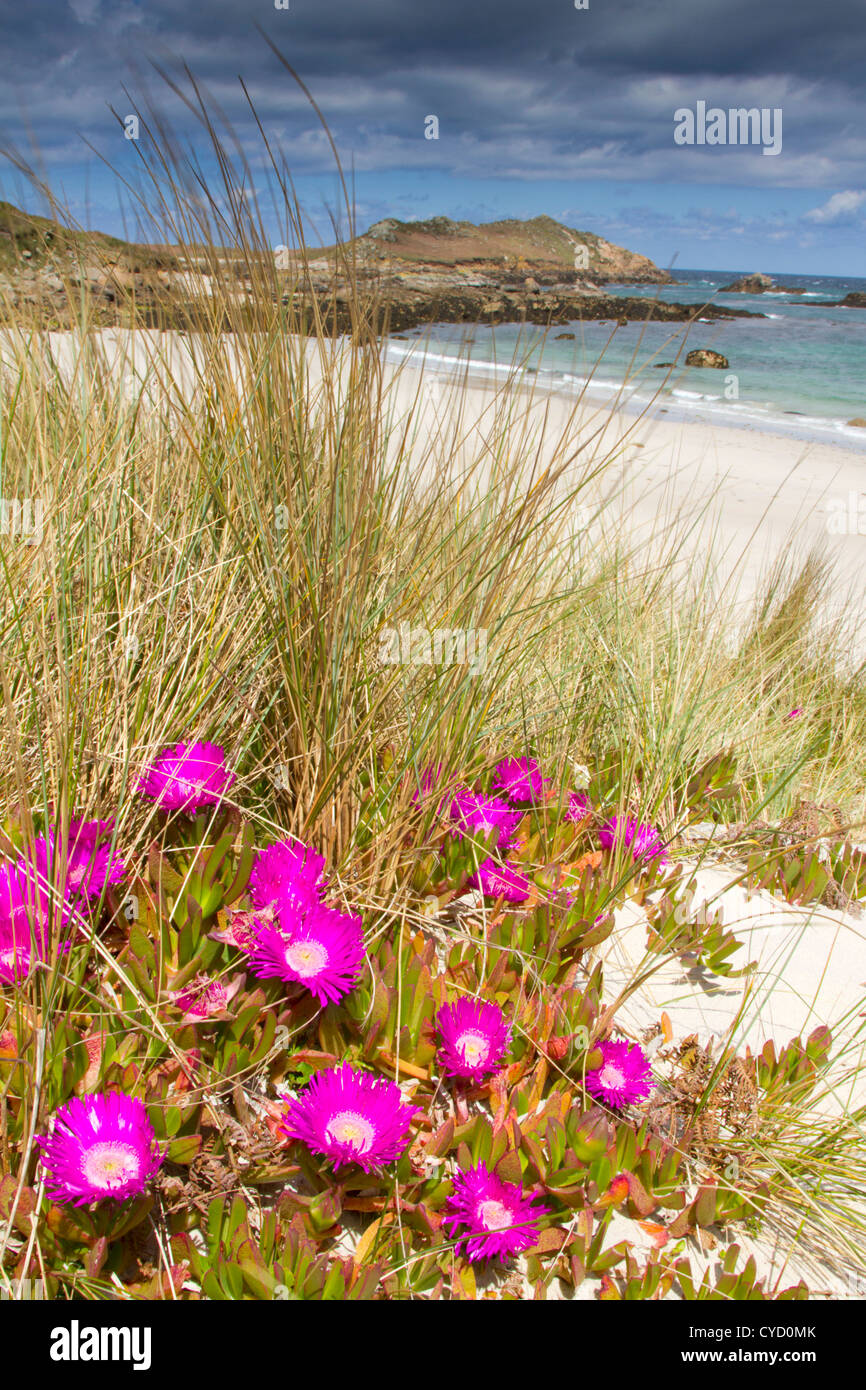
(541, 107)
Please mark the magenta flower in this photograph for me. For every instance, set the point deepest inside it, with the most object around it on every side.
(520, 779)
(624, 1076)
(579, 807)
(90, 867)
(794, 714)
(323, 951)
(643, 840)
(25, 902)
(484, 816)
(498, 1219)
(351, 1116)
(101, 1146)
(288, 871)
(20, 953)
(501, 881)
(475, 1037)
(429, 781)
(184, 778)
(205, 998)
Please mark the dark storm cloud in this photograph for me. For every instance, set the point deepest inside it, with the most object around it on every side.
(522, 91)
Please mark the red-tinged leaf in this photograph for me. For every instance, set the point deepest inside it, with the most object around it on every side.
(62, 1223)
(640, 1203)
(704, 1205)
(550, 1240)
(658, 1234)
(682, 1224)
(96, 1257)
(185, 1149)
(508, 1168)
(439, 1143)
(534, 1153)
(23, 1208)
(611, 1257)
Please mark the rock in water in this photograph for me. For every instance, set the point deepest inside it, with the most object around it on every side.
(756, 283)
(705, 357)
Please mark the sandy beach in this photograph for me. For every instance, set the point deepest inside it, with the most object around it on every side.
(748, 494)
(751, 494)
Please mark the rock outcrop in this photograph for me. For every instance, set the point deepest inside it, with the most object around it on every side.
(706, 357)
(756, 283)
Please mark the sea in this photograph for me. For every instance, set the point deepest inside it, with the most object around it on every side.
(800, 370)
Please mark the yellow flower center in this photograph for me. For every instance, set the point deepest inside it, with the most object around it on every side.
(495, 1216)
(111, 1164)
(473, 1047)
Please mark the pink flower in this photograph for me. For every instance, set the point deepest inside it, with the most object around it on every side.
(497, 1219)
(475, 1037)
(288, 872)
(19, 955)
(520, 779)
(90, 867)
(579, 807)
(430, 780)
(102, 1146)
(794, 714)
(624, 1076)
(322, 950)
(205, 998)
(483, 816)
(185, 778)
(351, 1116)
(26, 914)
(643, 840)
(501, 881)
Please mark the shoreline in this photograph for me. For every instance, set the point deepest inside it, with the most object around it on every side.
(746, 494)
(681, 405)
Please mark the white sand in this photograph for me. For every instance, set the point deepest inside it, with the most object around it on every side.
(761, 494)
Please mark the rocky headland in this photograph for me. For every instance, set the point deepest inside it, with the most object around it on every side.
(406, 273)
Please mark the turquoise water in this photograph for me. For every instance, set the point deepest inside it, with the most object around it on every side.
(800, 370)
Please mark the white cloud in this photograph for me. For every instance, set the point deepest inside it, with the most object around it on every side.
(840, 208)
